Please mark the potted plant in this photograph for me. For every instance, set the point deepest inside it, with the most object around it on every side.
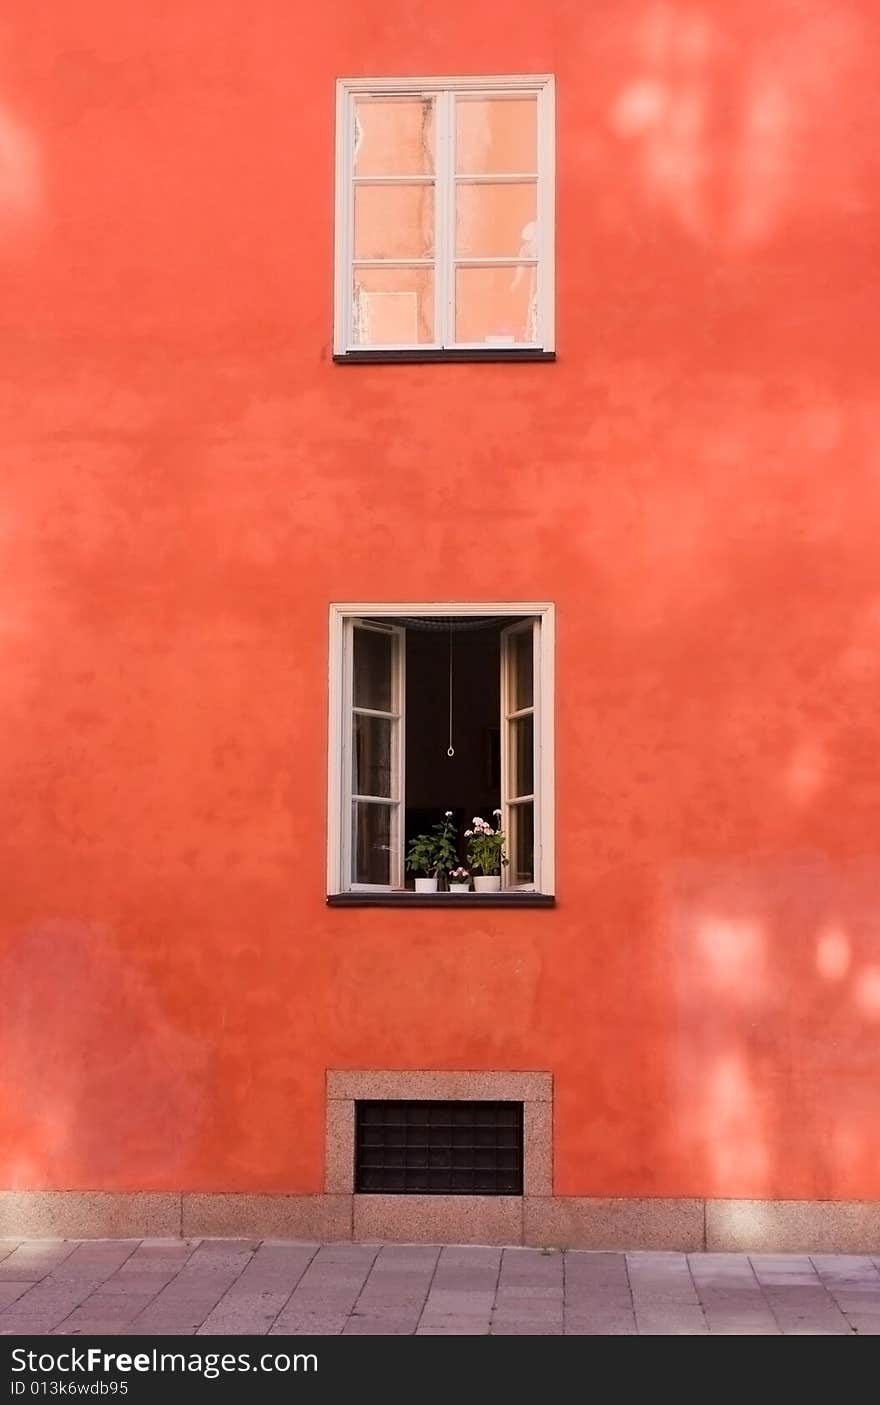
(428, 853)
(485, 853)
(459, 880)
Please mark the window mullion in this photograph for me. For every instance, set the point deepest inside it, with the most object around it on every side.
(349, 218)
(545, 201)
(539, 798)
(398, 779)
(446, 221)
(347, 748)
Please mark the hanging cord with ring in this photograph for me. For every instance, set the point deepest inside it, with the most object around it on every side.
(451, 749)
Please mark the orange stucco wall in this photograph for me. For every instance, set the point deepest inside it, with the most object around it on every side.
(188, 481)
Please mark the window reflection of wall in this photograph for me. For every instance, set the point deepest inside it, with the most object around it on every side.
(492, 185)
(393, 301)
(496, 218)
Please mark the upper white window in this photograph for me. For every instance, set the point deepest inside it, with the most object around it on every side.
(444, 215)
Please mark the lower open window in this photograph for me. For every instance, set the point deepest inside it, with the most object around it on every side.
(441, 716)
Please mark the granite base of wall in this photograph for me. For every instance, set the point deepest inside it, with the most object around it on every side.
(757, 1226)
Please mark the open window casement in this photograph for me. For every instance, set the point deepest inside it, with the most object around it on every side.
(520, 762)
(373, 753)
(435, 709)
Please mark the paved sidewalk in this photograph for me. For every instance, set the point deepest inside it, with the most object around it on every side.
(169, 1287)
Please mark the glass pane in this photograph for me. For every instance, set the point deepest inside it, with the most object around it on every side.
(496, 136)
(393, 221)
(522, 657)
(373, 656)
(496, 221)
(522, 756)
(371, 843)
(496, 305)
(393, 305)
(522, 844)
(371, 759)
(394, 137)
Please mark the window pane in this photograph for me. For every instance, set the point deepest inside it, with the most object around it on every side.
(371, 843)
(393, 305)
(496, 136)
(394, 137)
(393, 221)
(496, 305)
(372, 669)
(522, 756)
(522, 844)
(522, 656)
(371, 759)
(496, 221)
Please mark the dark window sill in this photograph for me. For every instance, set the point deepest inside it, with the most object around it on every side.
(399, 358)
(445, 900)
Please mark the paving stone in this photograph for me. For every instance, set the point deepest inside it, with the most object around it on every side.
(369, 1326)
(531, 1268)
(91, 1327)
(850, 1302)
(330, 1286)
(796, 1295)
(10, 1291)
(517, 1328)
(397, 1284)
(463, 1299)
(865, 1324)
(34, 1260)
(261, 1290)
(846, 1266)
(743, 1326)
(744, 1329)
(599, 1324)
(453, 1331)
(309, 1324)
(245, 1313)
(171, 1330)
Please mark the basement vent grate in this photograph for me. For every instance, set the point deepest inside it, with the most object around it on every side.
(439, 1148)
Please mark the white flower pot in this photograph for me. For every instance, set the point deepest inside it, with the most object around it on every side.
(488, 883)
(459, 887)
(426, 885)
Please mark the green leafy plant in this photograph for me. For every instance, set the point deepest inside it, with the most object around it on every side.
(485, 849)
(437, 849)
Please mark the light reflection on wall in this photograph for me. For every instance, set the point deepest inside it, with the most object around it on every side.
(732, 952)
(772, 108)
(20, 177)
(733, 1124)
(771, 956)
(867, 991)
(833, 954)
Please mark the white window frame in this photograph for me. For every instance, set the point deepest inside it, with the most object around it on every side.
(339, 757)
(396, 799)
(444, 260)
(510, 714)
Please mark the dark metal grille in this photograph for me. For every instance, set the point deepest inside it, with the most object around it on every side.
(437, 1148)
